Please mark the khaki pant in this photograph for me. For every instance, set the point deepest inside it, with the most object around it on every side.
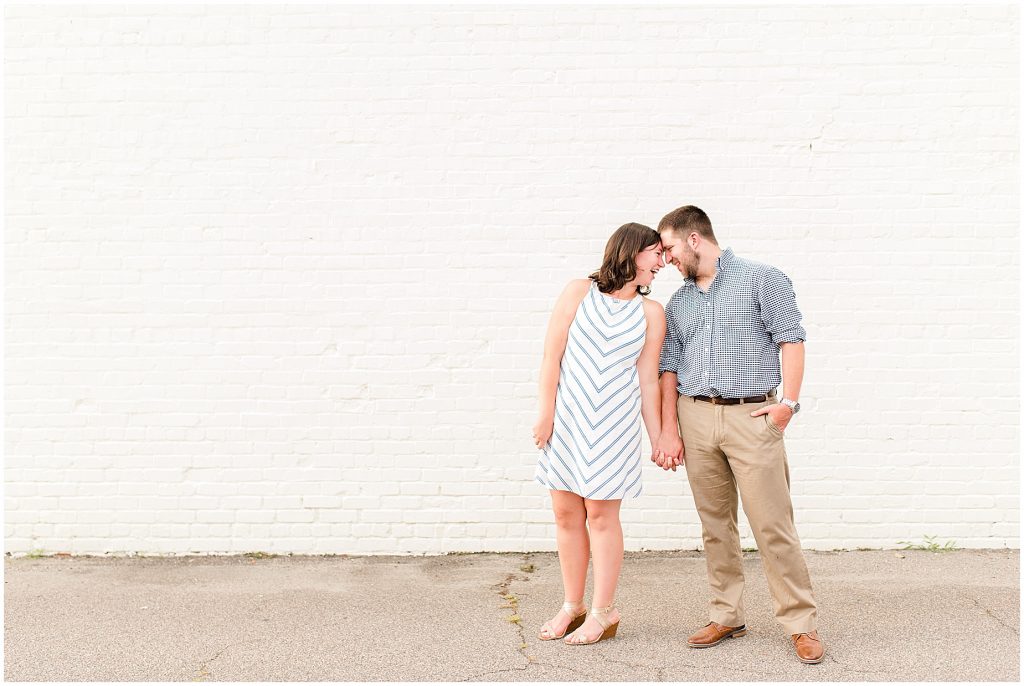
(726, 448)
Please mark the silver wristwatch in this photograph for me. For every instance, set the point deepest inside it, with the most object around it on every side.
(791, 404)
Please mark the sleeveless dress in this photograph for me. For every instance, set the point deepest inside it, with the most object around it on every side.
(594, 449)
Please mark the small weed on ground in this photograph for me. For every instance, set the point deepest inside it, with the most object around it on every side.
(930, 544)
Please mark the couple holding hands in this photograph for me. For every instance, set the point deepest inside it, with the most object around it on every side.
(701, 374)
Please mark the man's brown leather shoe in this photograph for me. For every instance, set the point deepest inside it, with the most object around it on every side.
(809, 649)
(713, 633)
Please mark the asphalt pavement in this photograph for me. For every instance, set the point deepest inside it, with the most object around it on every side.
(883, 615)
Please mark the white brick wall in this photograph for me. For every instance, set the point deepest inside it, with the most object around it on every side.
(277, 278)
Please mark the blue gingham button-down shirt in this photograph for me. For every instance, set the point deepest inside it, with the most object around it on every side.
(725, 342)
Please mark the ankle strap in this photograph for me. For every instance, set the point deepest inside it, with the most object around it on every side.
(598, 614)
(573, 608)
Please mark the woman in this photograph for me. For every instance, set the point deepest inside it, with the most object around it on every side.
(598, 376)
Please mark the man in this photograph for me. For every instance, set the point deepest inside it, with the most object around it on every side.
(719, 372)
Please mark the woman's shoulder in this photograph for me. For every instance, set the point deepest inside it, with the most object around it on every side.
(577, 288)
(572, 295)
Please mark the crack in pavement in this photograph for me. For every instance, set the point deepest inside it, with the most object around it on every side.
(851, 669)
(496, 671)
(512, 603)
(977, 602)
(760, 672)
(512, 600)
(660, 671)
(589, 677)
(202, 669)
(568, 669)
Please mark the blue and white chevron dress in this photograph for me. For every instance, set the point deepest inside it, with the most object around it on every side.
(594, 450)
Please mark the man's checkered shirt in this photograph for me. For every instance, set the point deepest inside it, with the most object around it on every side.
(725, 342)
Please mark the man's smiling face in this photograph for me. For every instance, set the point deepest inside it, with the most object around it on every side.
(679, 253)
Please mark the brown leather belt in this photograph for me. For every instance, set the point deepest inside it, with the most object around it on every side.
(733, 401)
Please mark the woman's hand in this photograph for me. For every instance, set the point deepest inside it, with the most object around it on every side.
(542, 430)
(654, 445)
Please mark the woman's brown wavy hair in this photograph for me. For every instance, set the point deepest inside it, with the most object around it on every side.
(619, 265)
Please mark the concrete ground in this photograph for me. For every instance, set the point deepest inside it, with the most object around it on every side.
(884, 616)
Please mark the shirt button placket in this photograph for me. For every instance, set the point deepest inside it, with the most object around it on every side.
(707, 339)
(708, 334)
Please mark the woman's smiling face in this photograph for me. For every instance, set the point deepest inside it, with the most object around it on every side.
(648, 262)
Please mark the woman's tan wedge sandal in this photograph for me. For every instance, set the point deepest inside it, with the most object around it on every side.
(598, 613)
(578, 612)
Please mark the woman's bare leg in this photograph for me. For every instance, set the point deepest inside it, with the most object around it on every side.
(606, 546)
(573, 551)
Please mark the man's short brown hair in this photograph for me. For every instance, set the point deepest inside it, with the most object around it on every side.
(686, 220)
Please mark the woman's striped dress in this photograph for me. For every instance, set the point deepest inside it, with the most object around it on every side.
(594, 450)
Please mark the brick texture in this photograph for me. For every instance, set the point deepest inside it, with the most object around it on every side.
(277, 278)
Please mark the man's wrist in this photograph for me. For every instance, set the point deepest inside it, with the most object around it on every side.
(793, 405)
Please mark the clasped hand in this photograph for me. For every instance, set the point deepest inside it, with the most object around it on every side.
(668, 451)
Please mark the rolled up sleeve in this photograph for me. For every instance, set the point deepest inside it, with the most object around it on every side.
(779, 312)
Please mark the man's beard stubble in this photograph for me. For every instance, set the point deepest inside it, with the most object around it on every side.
(690, 263)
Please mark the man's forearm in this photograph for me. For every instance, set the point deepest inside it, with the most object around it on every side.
(668, 383)
(792, 370)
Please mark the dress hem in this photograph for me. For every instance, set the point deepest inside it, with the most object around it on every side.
(569, 490)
